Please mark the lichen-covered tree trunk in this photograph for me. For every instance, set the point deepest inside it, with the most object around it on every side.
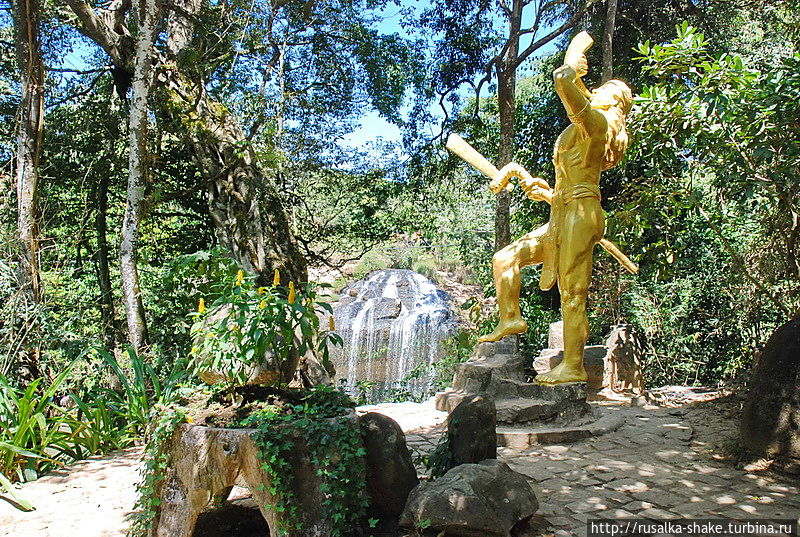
(244, 203)
(29, 140)
(148, 11)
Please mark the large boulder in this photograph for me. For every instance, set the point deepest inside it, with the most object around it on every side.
(472, 430)
(472, 500)
(771, 416)
(471, 434)
(390, 473)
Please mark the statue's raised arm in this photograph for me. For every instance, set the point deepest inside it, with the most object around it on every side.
(571, 90)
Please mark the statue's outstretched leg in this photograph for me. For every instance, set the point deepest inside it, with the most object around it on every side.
(506, 264)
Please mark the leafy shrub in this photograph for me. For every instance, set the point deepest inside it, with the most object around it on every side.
(175, 291)
(141, 390)
(34, 432)
(245, 323)
(37, 434)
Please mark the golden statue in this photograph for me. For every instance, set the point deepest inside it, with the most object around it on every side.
(595, 141)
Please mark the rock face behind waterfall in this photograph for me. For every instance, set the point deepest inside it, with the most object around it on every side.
(391, 322)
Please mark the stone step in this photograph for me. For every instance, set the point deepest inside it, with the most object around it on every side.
(519, 402)
(510, 388)
(478, 372)
(520, 410)
(520, 437)
(447, 400)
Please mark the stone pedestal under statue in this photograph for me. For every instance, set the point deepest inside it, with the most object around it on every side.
(527, 413)
(497, 370)
(615, 366)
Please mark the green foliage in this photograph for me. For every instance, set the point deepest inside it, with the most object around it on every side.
(712, 207)
(736, 125)
(37, 434)
(176, 290)
(34, 432)
(140, 392)
(441, 459)
(336, 451)
(6, 487)
(245, 323)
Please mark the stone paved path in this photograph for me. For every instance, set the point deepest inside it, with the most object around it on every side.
(662, 463)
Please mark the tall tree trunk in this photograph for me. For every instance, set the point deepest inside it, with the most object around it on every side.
(106, 301)
(608, 40)
(29, 140)
(506, 96)
(147, 22)
(243, 201)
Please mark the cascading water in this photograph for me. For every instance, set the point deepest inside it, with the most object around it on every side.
(392, 323)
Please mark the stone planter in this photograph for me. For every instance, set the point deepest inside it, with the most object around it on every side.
(207, 461)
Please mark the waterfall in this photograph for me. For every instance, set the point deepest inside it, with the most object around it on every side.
(392, 323)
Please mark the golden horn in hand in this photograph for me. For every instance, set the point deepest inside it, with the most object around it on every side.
(461, 147)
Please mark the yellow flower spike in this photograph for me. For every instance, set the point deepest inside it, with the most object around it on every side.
(239, 277)
(201, 306)
(263, 304)
(331, 324)
(262, 290)
(291, 293)
(276, 280)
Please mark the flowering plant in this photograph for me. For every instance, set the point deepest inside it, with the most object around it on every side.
(264, 329)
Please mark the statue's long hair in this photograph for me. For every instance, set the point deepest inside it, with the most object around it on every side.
(617, 135)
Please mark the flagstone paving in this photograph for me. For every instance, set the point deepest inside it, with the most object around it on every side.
(662, 463)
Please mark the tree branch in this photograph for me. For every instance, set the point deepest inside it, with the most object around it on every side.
(118, 46)
(569, 23)
(72, 96)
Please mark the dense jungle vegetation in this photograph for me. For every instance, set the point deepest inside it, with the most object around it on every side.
(149, 150)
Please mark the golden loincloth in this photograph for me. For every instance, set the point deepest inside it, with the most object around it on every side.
(561, 198)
